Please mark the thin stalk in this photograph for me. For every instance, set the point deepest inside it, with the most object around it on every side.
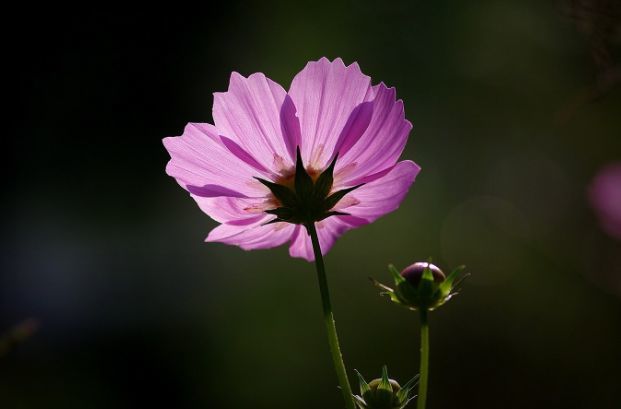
(424, 360)
(328, 317)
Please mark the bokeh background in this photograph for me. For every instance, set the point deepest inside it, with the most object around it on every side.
(118, 303)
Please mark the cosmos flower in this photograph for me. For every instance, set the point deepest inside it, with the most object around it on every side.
(605, 197)
(325, 152)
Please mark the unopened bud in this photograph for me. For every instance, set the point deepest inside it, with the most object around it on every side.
(421, 285)
(414, 273)
(384, 393)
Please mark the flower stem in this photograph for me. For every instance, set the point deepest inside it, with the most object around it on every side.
(424, 359)
(328, 317)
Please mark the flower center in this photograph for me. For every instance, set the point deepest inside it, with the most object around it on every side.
(303, 196)
(287, 178)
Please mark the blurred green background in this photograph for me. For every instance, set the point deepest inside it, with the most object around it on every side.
(515, 106)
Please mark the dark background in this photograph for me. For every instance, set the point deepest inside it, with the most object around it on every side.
(516, 106)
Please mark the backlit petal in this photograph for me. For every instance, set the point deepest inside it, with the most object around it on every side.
(251, 114)
(254, 236)
(205, 167)
(326, 94)
(328, 230)
(383, 195)
(381, 144)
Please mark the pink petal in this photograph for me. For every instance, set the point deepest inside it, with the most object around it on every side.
(238, 151)
(326, 94)
(381, 144)
(202, 165)
(240, 211)
(290, 126)
(381, 196)
(249, 114)
(356, 125)
(254, 236)
(328, 230)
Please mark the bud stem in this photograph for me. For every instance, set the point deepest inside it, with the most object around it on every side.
(424, 359)
(328, 316)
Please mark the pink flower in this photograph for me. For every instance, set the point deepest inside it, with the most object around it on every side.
(343, 127)
(605, 198)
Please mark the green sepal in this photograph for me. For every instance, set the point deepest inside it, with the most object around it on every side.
(335, 197)
(303, 182)
(406, 402)
(447, 285)
(408, 294)
(381, 286)
(387, 291)
(333, 213)
(395, 274)
(385, 382)
(383, 393)
(325, 180)
(404, 293)
(286, 196)
(276, 220)
(282, 213)
(427, 288)
(427, 274)
(364, 386)
(405, 390)
(395, 298)
(360, 402)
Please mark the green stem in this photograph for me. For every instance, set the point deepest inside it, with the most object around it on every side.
(328, 317)
(424, 360)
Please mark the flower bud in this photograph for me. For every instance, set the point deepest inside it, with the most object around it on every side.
(421, 285)
(384, 393)
(414, 273)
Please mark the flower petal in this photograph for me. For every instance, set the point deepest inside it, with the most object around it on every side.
(202, 165)
(356, 125)
(381, 196)
(326, 94)
(328, 231)
(382, 142)
(254, 236)
(232, 210)
(249, 114)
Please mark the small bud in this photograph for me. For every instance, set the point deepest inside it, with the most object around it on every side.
(414, 273)
(384, 393)
(421, 285)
